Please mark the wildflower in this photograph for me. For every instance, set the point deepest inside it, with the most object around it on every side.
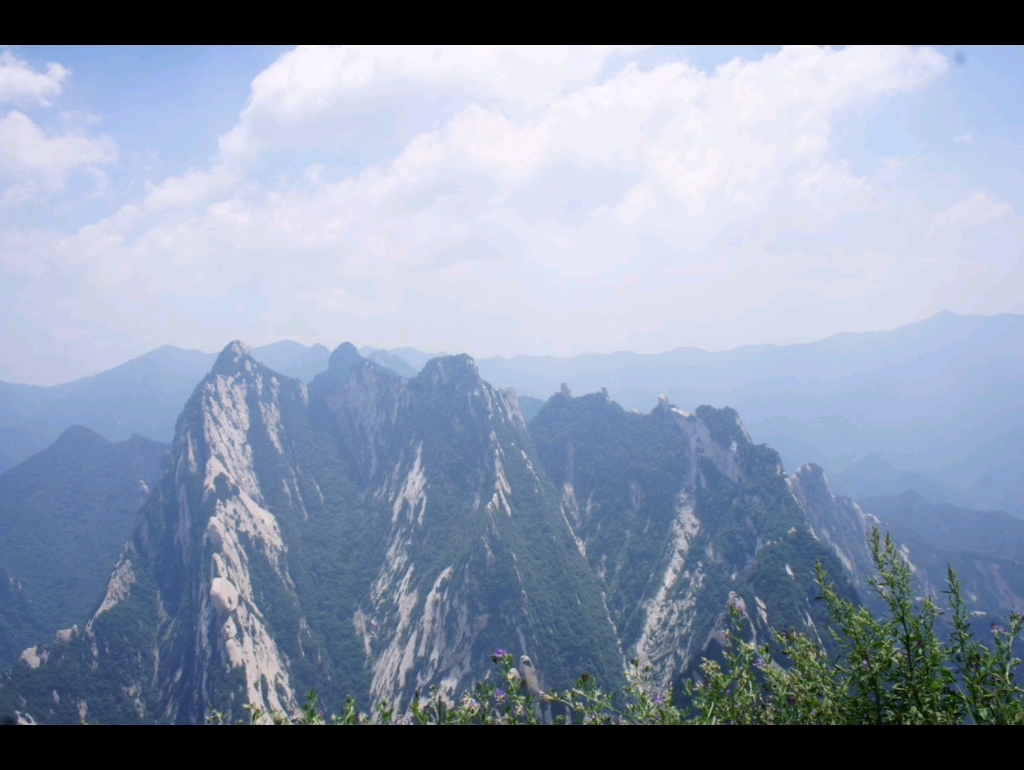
(998, 629)
(499, 655)
(659, 700)
(759, 663)
(499, 695)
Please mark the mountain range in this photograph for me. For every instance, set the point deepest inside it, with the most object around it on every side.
(374, 535)
(930, 406)
(934, 398)
(376, 528)
(143, 396)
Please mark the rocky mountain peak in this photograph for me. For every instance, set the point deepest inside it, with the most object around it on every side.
(724, 424)
(810, 480)
(345, 356)
(836, 521)
(78, 436)
(458, 371)
(232, 359)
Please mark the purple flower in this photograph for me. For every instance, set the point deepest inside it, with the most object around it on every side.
(998, 628)
(759, 663)
(499, 695)
(499, 654)
(659, 699)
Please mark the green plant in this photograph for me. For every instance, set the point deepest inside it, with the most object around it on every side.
(890, 670)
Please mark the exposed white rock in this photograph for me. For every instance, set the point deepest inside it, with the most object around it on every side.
(702, 445)
(570, 507)
(762, 610)
(224, 595)
(413, 495)
(271, 413)
(232, 647)
(669, 613)
(119, 586)
(502, 491)
(226, 434)
(237, 527)
(839, 522)
(31, 657)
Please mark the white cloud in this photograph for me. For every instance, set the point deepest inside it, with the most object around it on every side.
(21, 84)
(967, 138)
(33, 161)
(608, 208)
(636, 202)
(194, 186)
(976, 211)
(315, 82)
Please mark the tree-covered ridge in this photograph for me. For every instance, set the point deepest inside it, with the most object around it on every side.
(476, 550)
(64, 515)
(677, 513)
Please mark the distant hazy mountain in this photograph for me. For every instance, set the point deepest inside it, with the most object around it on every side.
(409, 357)
(936, 399)
(530, 406)
(292, 359)
(64, 515)
(873, 476)
(144, 396)
(392, 362)
(940, 397)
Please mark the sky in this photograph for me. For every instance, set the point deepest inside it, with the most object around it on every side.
(498, 201)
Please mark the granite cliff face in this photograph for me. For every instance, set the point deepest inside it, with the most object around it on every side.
(836, 521)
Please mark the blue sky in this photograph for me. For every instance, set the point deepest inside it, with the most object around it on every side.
(498, 202)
